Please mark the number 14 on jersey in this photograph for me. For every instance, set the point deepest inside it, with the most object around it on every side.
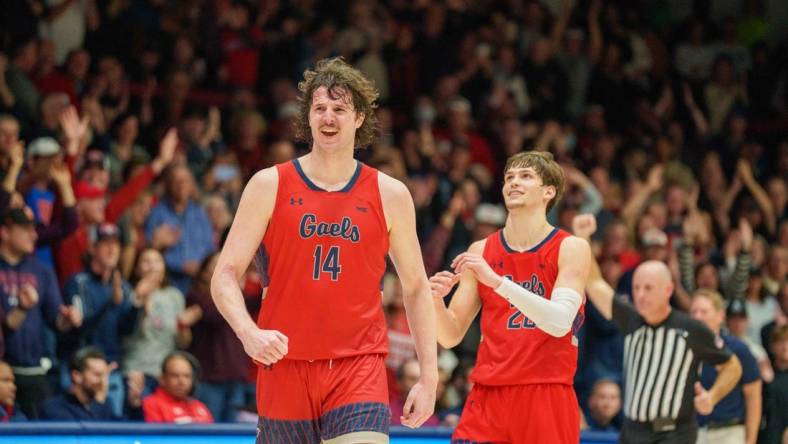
(326, 264)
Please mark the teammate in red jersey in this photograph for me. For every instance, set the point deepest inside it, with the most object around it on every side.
(326, 223)
(528, 281)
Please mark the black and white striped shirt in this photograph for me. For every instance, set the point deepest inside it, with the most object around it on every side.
(661, 363)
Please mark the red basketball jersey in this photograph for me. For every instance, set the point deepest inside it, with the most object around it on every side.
(325, 255)
(513, 350)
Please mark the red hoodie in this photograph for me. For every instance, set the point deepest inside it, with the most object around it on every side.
(161, 407)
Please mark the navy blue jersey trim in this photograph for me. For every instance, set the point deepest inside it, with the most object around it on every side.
(314, 187)
(534, 249)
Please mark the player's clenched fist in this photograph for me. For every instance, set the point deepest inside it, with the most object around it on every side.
(442, 282)
(704, 404)
(264, 346)
(584, 225)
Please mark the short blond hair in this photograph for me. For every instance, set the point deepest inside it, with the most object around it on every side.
(713, 296)
(545, 167)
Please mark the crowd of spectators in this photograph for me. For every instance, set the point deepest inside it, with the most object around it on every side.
(128, 129)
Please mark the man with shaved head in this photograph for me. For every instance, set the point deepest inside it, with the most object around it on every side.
(663, 349)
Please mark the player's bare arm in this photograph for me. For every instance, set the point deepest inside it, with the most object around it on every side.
(453, 321)
(405, 253)
(598, 290)
(574, 264)
(246, 233)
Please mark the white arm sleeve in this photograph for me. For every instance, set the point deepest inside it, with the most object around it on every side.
(554, 316)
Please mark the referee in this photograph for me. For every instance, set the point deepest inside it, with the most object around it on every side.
(663, 349)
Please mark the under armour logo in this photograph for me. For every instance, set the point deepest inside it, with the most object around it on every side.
(362, 209)
(294, 201)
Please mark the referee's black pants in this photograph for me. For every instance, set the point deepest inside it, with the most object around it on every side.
(633, 432)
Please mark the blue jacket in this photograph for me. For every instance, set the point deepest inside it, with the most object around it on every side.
(66, 407)
(25, 346)
(104, 324)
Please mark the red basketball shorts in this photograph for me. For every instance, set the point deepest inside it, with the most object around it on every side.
(519, 414)
(308, 401)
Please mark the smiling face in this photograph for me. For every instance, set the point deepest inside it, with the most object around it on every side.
(532, 179)
(336, 107)
(151, 262)
(522, 187)
(333, 120)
